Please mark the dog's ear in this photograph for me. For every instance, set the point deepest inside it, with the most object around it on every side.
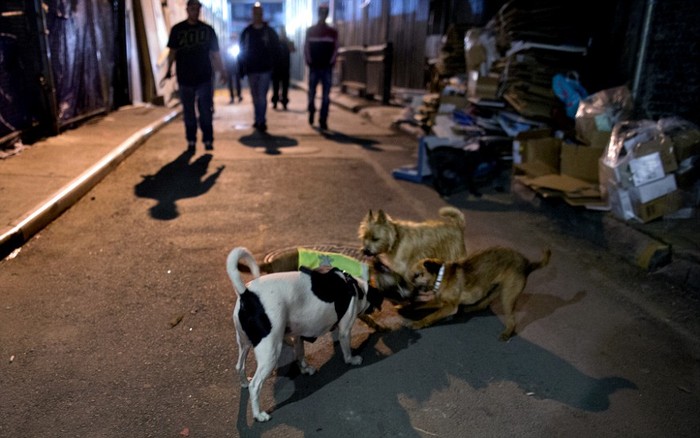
(381, 216)
(432, 266)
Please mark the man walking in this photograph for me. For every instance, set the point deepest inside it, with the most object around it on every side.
(194, 48)
(320, 52)
(234, 78)
(259, 47)
(280, 74)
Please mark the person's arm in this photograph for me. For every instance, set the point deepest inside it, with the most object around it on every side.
(335, 49)
(307, 48)
(171, 60)
(168, 68)
(218, 65)
(243, 54)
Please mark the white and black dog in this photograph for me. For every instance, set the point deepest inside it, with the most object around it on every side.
(303, 304)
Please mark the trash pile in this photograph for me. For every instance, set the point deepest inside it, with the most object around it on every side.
(520, 103)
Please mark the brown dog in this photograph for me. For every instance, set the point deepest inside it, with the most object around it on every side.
(402, 243)
(474, 282)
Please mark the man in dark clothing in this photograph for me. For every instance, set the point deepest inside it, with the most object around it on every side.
(194, 48)
(234, 78)
(259, 46)
(280, 74)
(320, 52)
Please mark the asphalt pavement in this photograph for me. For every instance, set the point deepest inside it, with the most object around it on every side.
(38, 182)
(116, 317)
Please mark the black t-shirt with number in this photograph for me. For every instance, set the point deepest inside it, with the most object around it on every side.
(192, 44)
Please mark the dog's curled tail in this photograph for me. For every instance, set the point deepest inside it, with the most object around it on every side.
(546, 254)
(240, 254)
(454, 214)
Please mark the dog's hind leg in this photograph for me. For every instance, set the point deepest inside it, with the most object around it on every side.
(509, 294)
(344, 331)
(301, 357)
(484, 302)
(243, 350)
(267, 354)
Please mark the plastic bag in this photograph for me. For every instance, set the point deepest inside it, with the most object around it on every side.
(570, 91)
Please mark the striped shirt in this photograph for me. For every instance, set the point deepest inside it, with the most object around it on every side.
(321, 46)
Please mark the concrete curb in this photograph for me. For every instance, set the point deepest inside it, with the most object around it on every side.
(52, 207)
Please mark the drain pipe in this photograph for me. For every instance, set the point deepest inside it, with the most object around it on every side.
(641, 55)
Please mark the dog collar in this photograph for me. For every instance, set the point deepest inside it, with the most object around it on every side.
(441, 272)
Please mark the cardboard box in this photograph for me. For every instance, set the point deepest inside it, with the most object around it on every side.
(474, 51)
(646, 169)
(459, 101)
(594, 130)
(580, 161)
(653, 190)
(620, 203)
(538, 147)
(486, 87)
(658, 207)
(633, 172)
(665, 149)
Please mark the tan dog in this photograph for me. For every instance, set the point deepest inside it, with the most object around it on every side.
(474, 282)
(402, 243)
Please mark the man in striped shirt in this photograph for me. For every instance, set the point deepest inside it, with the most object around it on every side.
(320, 52)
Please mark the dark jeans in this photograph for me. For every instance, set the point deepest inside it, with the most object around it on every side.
(280, 87)
(325, 77)
(203, 96)
(259, 83)
(234, 84)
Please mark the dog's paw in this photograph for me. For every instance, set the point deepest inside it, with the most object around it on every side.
(504, 337)
(262, 417)
(354, 360)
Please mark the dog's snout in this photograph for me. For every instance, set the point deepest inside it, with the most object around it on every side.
(366, 251)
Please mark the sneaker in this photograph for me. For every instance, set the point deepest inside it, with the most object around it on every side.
(209, 146)
(274, 105)
(323, 125)
(190, 146)
(284, 106)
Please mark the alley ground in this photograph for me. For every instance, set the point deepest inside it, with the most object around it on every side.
(116, 318)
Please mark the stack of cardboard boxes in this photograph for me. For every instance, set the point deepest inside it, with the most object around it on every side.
(554, 168)
(639, 167)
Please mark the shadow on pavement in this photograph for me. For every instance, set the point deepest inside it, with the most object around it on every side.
(271, 143)
(387, 387)
(341, 138)
(178, 179)
(335, 368)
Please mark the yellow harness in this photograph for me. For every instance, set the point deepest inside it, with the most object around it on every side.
(315, 259)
